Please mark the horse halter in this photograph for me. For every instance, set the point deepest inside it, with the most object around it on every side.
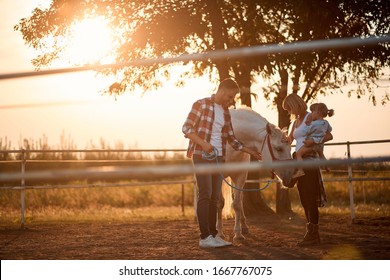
(267, 138)
(271, 152)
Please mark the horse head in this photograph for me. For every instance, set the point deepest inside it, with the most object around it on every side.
(256, 132)
(275, 147)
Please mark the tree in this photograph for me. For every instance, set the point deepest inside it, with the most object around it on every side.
(326, 71)
(147, 29)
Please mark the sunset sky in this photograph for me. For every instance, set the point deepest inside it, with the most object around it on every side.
(72, 105)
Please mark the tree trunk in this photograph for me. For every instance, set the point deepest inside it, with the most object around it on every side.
(218, 33)
(283, 204)
(254, 204)
(245, 89)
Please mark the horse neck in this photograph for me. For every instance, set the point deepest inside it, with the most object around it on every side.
(251, 136)
(250, 127)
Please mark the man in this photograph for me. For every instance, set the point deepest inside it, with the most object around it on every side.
(209, 128)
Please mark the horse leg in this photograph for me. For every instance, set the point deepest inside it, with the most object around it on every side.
(237, 206)
(240, 225)
(221, 203)
(244, 226)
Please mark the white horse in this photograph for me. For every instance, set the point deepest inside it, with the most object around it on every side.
(255, 132)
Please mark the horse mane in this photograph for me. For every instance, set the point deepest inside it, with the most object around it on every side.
(251, 117)
(248, 112)
(252, 120)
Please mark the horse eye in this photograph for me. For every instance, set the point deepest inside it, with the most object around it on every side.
(278, 149)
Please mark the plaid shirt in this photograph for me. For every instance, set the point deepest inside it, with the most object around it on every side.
(200, 121)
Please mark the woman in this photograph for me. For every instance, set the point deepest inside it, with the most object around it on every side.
(310, 185)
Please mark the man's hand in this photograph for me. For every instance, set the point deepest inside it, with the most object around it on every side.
(253, 153)
(256, 155)
(207, 147)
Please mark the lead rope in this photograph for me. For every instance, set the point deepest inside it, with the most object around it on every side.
(214, 156)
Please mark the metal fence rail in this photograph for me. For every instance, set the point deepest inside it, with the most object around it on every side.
(241, 52)
(160, 170)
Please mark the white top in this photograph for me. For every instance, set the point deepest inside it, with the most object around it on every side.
(216, 132)
(300, 133)
(317, 130)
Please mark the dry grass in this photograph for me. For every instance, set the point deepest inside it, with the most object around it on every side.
(372, 199)
(103, 214)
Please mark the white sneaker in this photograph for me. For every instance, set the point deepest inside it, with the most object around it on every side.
(221, 241)
(209, 242)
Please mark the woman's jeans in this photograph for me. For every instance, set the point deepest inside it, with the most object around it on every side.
(209, 191)
(309, 189)
(309, 192)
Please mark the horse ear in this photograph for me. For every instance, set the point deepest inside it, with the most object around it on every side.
(269, 128)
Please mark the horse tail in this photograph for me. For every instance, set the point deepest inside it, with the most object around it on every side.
(227, 195)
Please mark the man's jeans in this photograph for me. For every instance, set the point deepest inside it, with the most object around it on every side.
(209, 191)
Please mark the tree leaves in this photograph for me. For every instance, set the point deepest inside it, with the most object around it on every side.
(146, 29)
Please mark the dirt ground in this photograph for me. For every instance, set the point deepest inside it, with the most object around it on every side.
(270, 238)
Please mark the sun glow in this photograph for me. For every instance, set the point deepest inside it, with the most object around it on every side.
(92, 41)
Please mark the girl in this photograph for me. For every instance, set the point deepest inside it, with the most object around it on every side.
(315, 130)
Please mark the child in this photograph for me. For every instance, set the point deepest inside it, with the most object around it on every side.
(316, 128)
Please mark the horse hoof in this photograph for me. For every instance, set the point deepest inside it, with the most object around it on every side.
(238, 238)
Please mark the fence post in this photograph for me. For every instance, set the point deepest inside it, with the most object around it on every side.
(22, 185)
(182, 200)
(195, 199)
(351, 200)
